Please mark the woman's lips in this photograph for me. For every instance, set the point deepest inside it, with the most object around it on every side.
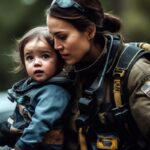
(65, 56)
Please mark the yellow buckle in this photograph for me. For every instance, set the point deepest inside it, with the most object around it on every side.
(107, 142)
(119, 72)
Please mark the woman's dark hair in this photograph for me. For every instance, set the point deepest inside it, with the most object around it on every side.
(38, 32)
(104, 22)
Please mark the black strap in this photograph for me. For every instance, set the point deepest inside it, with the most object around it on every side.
(87, 103)
(127, 56)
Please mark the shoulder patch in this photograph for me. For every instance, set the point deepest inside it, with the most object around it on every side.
(146, 88)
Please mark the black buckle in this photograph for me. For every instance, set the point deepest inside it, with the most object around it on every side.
(86, 107)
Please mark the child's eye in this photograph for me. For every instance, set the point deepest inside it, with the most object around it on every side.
(29, 58)
(46, 56)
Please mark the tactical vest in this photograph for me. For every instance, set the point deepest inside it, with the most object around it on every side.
(130, 53)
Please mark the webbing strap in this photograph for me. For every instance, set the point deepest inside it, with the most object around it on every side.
(127, 56)
(117, 92)
(82, 140)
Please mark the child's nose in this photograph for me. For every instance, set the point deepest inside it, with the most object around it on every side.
(37, 61)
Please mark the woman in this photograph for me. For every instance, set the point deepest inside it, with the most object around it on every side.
(85, 37)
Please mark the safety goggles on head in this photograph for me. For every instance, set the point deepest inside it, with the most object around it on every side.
(68, 4)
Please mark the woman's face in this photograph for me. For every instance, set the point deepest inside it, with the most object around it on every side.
(71, 43)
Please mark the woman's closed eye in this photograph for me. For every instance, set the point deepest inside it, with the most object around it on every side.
(61, 37)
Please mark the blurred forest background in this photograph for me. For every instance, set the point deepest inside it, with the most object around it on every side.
(18, 16)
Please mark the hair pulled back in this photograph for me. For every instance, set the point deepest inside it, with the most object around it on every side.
(94, 14)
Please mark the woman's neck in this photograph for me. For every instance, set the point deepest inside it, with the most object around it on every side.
(91, 59)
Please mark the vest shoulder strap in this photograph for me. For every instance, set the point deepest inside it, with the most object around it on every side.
(129, 55)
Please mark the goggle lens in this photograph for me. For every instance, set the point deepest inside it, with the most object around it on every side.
(68, 4)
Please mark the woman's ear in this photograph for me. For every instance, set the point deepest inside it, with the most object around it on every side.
(91, 30)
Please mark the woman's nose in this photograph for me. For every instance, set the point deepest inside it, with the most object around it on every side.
(58, 45)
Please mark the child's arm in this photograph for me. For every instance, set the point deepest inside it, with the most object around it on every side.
(52, 102)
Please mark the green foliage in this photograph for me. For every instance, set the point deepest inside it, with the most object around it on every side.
(136, 18)
(134, 15)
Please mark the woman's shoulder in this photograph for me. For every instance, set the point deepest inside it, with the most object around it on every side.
(140, 72)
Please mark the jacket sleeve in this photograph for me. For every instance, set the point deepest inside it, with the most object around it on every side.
(52, 101)
(139, 91)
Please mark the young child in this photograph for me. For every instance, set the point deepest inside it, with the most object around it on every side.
(42, 99)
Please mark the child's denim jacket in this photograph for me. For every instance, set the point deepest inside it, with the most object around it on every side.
(41, 109)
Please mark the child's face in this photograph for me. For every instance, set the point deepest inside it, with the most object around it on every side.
(40, 59)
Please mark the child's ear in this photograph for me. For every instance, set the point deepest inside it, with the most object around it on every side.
(91, 30)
